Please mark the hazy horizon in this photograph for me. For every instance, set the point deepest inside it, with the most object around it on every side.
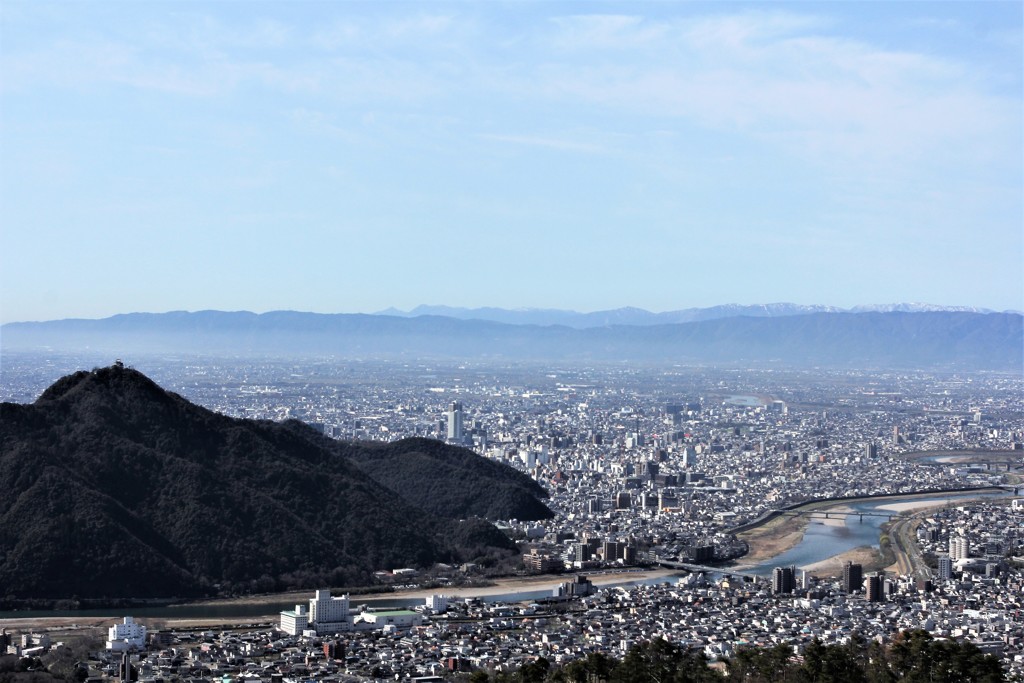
(523, 309)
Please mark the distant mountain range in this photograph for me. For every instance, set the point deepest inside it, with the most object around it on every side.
(638, 316)
(111, 487)
(895, 339)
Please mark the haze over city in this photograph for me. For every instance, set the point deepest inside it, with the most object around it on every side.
(350, 157)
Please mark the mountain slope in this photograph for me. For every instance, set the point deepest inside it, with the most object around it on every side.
(112, 487)
(422, 472)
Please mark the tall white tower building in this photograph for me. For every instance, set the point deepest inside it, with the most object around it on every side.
(959, 548)
(328, 614)
(455, 421)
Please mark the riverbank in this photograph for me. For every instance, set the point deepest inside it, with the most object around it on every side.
(499, 586)
(870, 560)
(785, 532)
(92, 625)
(772, 538)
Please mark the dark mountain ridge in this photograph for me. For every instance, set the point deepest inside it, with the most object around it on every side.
(914, 340)
(425, 469)
(112, 487)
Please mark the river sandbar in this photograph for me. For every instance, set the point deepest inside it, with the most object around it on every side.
(911, 505)
(839, 519)
(869, 558)
(773, 538)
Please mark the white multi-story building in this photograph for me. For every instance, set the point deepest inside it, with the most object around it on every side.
(959, 548)
(125, 636)
(294, 622)
(455, 417)
(438, 604)
(329, 615)
(333, 615)
(945, 572)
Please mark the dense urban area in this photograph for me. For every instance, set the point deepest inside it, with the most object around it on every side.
(667, 468)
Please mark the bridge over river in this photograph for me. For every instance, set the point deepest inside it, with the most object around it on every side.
(726, 571)
(834, 514)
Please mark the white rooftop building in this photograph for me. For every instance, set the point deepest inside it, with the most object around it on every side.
(294, 622)
(437, 603)
(325, 615)
(329, 615)
(125, 636)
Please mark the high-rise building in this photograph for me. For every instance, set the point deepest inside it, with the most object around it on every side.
(582, 552)
(649, 470)
(875, 584)
(329, 614)
(959, 548)
(783, 579)
(853, 577)
(455, 421)
(945, 572)
(612, 550)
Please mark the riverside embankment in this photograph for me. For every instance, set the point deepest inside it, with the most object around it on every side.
(790, 537)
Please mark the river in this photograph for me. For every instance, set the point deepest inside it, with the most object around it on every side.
(236, 611)
(821, 541)
(825, 539)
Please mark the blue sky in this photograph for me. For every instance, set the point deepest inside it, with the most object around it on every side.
(348, 157)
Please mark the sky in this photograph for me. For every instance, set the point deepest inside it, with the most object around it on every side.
(346, 157)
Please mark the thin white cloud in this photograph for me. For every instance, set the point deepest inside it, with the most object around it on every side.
(321, 124)
(606, 31)
(546, 142)
(418, 32)
(203, 35)
(781, 78)
(739, 34)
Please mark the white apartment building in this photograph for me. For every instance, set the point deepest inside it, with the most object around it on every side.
(437, 604)
(329, 615)
(945, 572)
(294, 622)
(126, 636)
(325, 615)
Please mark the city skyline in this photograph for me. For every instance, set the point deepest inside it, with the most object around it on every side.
(351, 157)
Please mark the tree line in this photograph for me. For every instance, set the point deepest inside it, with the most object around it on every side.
(911, 657)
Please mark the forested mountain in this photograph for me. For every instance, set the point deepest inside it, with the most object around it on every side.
(112, 487)
(929, 340)
(452, 482)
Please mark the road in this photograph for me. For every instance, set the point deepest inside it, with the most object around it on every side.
(903, 538)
